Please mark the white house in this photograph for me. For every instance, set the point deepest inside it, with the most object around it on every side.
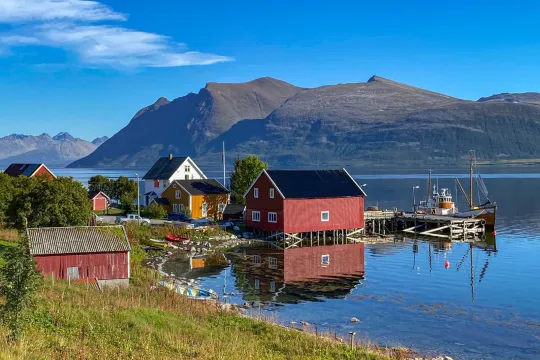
(166, 170)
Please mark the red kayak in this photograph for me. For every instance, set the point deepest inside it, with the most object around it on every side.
(176, 238)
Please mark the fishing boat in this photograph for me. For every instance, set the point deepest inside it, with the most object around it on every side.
(486, 211)
(156, 243)
(189, 291)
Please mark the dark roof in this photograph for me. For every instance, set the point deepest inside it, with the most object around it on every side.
(233, 209)
(15, 170)
(202, 187)
(161, 201)
(308, 184)
(164, 168)
(93, 194)
(77, 240)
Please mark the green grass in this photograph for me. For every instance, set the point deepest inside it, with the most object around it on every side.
(112, 211)
(4, 247)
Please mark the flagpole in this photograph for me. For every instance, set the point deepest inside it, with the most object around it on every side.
(223, 159)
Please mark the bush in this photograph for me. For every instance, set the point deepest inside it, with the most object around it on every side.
(154, 211)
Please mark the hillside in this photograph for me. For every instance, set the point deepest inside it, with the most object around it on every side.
(59, 150)
(379, 121)
(186, 124)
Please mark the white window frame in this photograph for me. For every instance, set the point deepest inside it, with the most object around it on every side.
(257, 284)
(272, 215)
(272, 286)
(256, 218)
(256, 193)
(221, 207)
(271, 193)
(323, 262)
(272, 262)
(178, 194)
(322, 216)
(175, 208)
(181, 208)
(256, 259)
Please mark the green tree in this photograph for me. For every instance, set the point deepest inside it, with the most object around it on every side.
(19, 281)
(126, 192)
(103, 184)
(244, 173)
(6, 195)
(154, 211)
(48, 203)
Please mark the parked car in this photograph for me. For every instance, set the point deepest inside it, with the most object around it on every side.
(99, 220)
(200, 223)
(227, 225)
(179, 217)
(133, 218)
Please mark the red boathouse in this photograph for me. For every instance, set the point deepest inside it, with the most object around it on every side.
(95, 253)
(100, 200)
(305, 204)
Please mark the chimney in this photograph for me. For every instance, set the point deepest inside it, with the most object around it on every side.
(170, 156)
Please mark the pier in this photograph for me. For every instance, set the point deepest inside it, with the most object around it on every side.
(384, 223)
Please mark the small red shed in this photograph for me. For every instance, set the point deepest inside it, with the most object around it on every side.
(100, 252)
(29, 170)
(100, 200)
(304, 201)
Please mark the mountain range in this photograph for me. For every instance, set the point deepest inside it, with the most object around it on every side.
(378, 122)
(59, 150)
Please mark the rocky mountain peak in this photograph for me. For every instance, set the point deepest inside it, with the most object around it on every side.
(63, 136)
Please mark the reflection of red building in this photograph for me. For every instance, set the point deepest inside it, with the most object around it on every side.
(300, 273)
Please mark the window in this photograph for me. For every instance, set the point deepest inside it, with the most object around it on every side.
(256, 259)
(256, 216)
(178, 194)
(325, 260)
(325, 215)
(175, 208)
(187, 169)
(156, 183)
(165, 183)
(221, 208)
(271, 193)
(257, 284)
(272, 263)
(181, 208)
(272, 286)
(272, 217)
(186, 177)
(256, 193)
(204, 210)
(73, 273)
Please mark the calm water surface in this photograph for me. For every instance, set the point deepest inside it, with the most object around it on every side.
(485, 306)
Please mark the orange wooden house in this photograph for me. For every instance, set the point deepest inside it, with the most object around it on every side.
(202, 197)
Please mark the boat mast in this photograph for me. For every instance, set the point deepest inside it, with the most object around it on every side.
(429, 185)
(471, 181)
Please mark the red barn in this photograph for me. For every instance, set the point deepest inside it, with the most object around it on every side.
(29, 170)
(95, 253)
(301, 202)
(100, 201)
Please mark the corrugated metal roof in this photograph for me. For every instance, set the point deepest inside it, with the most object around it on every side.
(312, 184)
(164, 168)
(15, 170)
(77, 240)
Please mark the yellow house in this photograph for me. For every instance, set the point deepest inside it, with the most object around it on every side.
(203, 197)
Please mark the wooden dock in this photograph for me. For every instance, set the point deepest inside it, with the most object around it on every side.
(383, 223)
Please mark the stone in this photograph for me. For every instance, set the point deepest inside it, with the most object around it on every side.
(354, 320)
(304, 323)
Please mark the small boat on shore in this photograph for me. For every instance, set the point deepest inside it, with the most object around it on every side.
(189, 291)
(176, 238)
(156, 243)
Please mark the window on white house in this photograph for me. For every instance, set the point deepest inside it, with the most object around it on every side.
(271, 193)
(256, 193)
(165, 183)
(178, 194)
(257, 284)
(186, 177)
(256, 216)
(156, 183)
(175, 208)
(256, 259)
(325, 260)
(187, 169)
(325, 215)
(221, 208)
(272, 263)
(272, 217)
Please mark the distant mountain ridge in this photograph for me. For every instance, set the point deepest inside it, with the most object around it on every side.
(59, 150)
(375, 122)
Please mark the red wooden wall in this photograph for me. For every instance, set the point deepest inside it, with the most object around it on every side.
(99, 202)
(265, 205)
(304, 264)
(104, 266)
(43, 171)
(304, 215)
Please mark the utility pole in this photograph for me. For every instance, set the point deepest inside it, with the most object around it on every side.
(138, 200)
(223, 159)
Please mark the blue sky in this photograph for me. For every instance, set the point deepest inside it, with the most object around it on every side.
(86, 67)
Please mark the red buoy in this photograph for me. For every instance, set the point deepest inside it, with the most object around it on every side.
(495, 232)
(446, 264)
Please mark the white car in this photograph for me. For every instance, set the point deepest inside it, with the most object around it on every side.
(133, 218)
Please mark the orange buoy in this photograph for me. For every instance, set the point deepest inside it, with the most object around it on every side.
(495, 232)
(446, 264)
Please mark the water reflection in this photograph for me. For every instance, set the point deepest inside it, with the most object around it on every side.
(298, 274)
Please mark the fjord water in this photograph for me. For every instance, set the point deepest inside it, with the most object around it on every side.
(486, 305)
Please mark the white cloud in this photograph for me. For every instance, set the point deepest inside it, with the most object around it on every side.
(16, 11)
(65, 24)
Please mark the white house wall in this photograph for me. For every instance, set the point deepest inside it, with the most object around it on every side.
(180, 174)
